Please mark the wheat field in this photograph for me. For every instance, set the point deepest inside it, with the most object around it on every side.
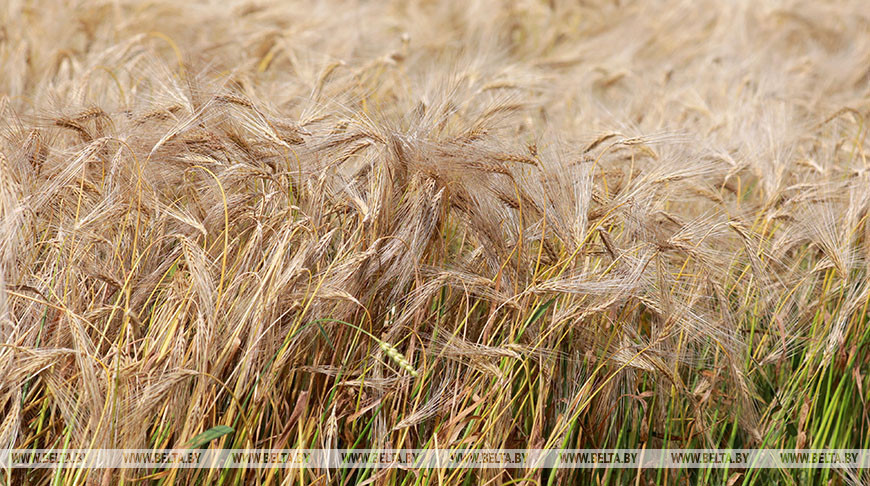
(492, 224)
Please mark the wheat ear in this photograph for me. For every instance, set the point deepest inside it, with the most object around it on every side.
(388, 348)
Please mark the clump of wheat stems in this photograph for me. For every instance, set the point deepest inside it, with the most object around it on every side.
(574, 224)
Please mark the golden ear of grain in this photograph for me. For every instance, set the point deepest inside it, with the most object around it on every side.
(90, 114)
(74, 126)
(5, 170)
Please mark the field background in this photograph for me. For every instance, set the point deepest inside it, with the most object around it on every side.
(351, 224)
